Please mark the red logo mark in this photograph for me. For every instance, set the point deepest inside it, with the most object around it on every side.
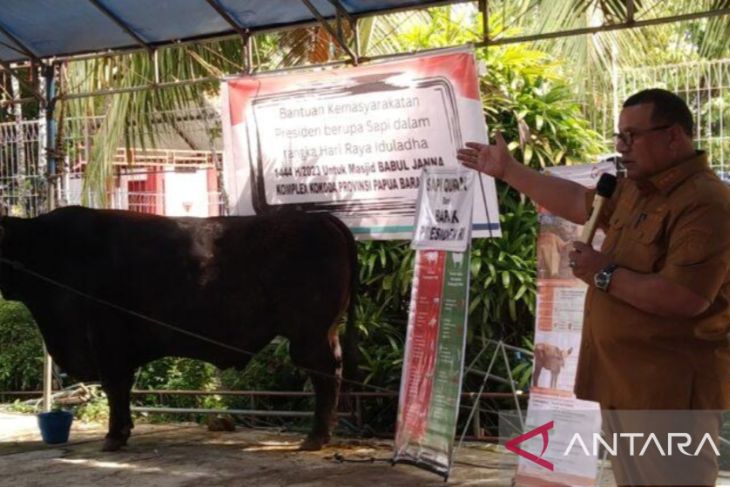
(512, 445)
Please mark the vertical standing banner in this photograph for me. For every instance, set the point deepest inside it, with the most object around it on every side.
(560, 297)
(434, 357)
(558, 328)
(353, 141)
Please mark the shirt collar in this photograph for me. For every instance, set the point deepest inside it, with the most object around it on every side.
(668, 179)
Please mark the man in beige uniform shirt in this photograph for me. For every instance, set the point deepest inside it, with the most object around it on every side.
(657, 315)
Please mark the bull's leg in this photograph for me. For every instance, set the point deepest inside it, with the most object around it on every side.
(324, 360)
(118, 392)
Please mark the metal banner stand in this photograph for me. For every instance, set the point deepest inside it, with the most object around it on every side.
(500, 348)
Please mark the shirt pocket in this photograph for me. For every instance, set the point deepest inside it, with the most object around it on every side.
(642, 249)
(614, 234)
(648, 230)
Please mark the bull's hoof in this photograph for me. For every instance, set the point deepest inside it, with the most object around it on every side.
(313, 443)
(113, 444)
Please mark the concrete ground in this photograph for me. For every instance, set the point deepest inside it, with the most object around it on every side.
(186, 454)
(190, 455)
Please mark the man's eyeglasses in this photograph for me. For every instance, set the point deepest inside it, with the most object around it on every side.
(628, 136)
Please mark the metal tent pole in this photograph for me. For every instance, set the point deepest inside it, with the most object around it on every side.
(50, 156)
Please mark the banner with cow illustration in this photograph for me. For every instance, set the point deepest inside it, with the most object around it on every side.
(353, 141)
(558, 327)
(560, 295)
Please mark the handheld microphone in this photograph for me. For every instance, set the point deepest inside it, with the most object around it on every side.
(604, 189)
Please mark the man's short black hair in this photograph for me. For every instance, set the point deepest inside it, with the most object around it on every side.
(668, 107)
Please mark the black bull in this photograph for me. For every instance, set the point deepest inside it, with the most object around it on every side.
(237, 280)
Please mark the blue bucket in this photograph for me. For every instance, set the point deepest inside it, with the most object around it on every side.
(55, 426)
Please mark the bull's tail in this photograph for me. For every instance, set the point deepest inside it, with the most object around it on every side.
(350, 351)
(350, 340)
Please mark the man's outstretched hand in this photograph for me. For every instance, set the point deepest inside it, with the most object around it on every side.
(492, 160)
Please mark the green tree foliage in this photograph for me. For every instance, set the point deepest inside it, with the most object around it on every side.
(21, 349)
(174, 373)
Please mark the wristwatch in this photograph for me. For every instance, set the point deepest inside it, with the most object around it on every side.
(602, 279)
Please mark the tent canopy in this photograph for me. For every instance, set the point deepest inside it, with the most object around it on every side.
(42, 29)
